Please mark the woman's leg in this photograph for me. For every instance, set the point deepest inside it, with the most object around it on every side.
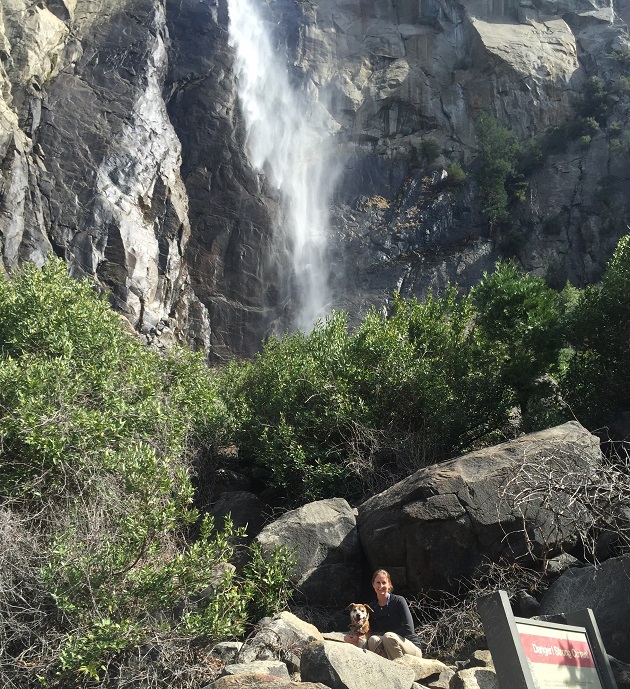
(396, 646)
(374, 644)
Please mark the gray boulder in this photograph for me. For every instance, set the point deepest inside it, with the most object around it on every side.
(442, 681)
(257, 681)
(621, 672)
(259, 667)
(228, 651)
(243, 508)
(437, 526)
(343, 666)
(475, 678)
(283, 636)
(327, 547)
(606, 590)
(424, 668)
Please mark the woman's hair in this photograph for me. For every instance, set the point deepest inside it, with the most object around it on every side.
(385, 573)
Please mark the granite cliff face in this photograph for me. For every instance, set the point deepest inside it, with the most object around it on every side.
(122, 149)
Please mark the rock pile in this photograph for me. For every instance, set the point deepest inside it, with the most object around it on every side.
(316, 661)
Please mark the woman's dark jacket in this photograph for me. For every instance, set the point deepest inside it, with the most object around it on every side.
(393, 617)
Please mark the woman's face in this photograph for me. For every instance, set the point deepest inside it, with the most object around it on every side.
(381, 585)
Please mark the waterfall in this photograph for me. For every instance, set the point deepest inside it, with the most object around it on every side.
(288, 141)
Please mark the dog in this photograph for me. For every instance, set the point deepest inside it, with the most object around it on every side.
(359, 623)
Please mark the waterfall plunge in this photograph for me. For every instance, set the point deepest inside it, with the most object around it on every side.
(288, 140)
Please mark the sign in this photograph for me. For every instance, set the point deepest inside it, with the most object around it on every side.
(558, 658)
(536, 654)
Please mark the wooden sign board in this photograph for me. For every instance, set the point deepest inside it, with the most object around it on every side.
(532, 654)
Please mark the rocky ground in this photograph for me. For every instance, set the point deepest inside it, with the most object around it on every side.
(524, 505)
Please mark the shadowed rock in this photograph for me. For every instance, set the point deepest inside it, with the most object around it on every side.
(437, 526)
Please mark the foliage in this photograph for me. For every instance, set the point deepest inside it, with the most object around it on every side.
(595, 100)
(456, 174)
(597, 379)
(96, 437)
(338, 413)
(519, 319)
(266, 580)
(622, 85)
(622, 55)
(499, 152)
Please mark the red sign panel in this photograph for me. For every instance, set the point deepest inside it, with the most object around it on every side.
(542, 649)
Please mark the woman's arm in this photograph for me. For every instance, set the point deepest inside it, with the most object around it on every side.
(406, 621)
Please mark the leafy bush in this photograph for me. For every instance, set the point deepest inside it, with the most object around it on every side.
(585, 141)
(519, 319)
(597, 379)
(96, 437)
(622, 56)
(430, 149)
(456, 174)
(595, 100)
(340, 413)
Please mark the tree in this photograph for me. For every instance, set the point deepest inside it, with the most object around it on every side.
(519, 319)
(499, 152)
(597, 377)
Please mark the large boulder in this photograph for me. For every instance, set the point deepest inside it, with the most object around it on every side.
(475, 678)
(344, 666)
(606, 590)
(621, 672)
(275, 668)
(438, 525)
(327, 548)
(424, 668)
(282, 636)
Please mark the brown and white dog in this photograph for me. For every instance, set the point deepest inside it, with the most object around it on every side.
(359, 623)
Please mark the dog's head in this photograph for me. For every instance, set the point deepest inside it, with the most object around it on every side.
(359, 616)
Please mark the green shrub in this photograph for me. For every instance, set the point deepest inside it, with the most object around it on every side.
(595, 100)
(519, 320)
(597, 379)
(615, 129)
(96, 437)
(532, 157)
(456, 175)
(622, 85)
(622, 56)
(335, 413)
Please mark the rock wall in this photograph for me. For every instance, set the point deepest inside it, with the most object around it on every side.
(122, 150)
(91, 162)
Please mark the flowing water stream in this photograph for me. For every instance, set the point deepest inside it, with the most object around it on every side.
(287, 141)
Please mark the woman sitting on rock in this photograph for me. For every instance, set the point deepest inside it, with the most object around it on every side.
(391, 627)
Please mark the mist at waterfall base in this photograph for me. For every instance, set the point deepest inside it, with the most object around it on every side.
(289, 142)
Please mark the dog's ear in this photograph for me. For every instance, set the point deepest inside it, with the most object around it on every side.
(350, 606)
(369, 608)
